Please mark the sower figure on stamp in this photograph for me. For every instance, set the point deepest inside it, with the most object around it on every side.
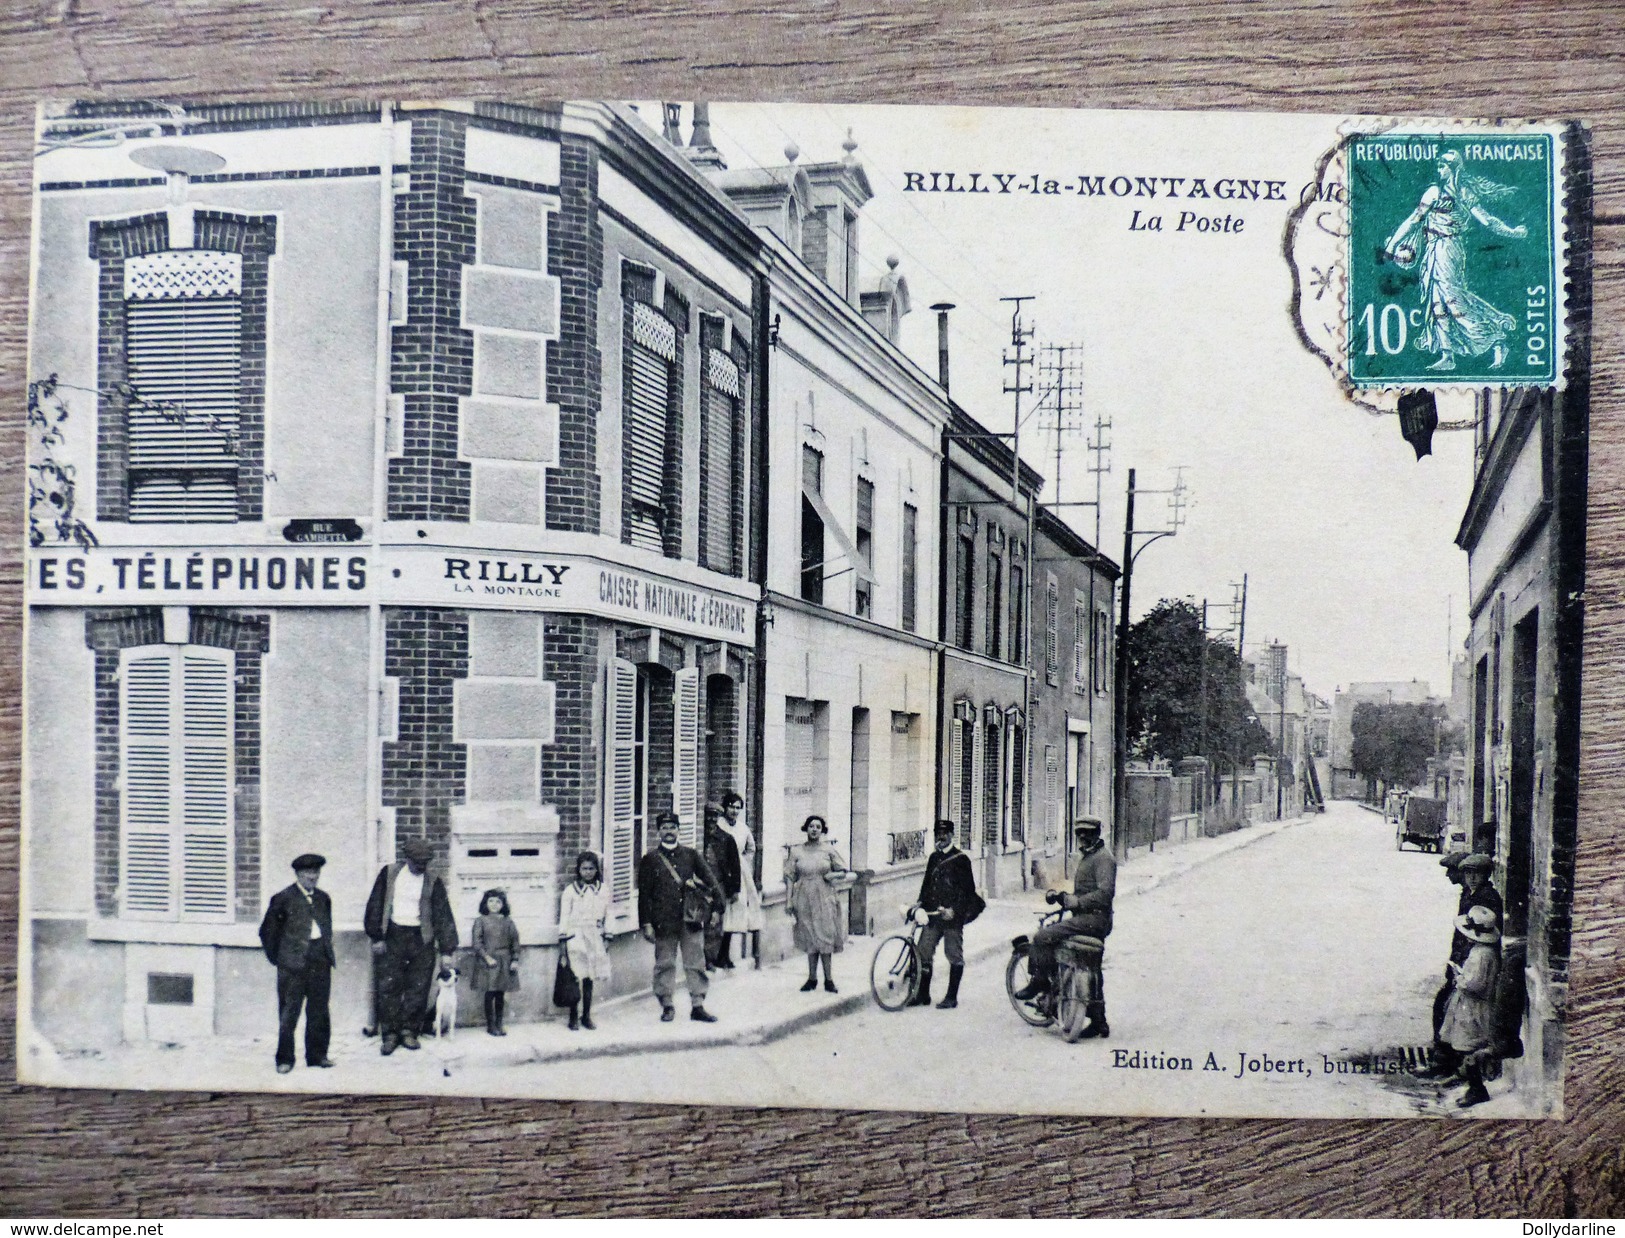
(1094, 885)
(949, 889)
(676, 891)
(297, 935)
(408, 918)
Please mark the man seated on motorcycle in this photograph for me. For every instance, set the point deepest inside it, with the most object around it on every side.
(1094, 884)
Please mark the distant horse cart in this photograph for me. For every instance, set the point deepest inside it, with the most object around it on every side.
(1422, 824)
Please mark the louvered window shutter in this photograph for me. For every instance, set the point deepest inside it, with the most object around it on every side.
(648, 411)
(956, 776)
(147, 784)
(1080, 638)
(620, 795)
(206, 774)
(686, 760)
(1018, 782)
(721, 432)
(910, 569)
(1052, 796)
(978, 778)
(1052, 633)
(177, 763)
(183, 345)
(798, 763)
(967, 783)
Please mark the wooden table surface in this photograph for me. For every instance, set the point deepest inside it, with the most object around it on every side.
(147, 1155)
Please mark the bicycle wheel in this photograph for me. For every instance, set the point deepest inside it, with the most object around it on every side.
(1074, 1004)
(894, 975)
(1016, 977)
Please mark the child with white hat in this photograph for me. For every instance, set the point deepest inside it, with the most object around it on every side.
(1468, 1017)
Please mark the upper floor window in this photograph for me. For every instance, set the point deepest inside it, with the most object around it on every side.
(812, 526)
(651, 439)
(721, 456)
(1052, 632)
(182, 368)
(965, 585)
(1102, 652)
(1082, 635)
(865, 542)
(183, 347)
(995, 597)
(911, 570)
(1018, 610)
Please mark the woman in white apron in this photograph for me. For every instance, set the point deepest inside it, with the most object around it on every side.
(744, 913)
(582, 908)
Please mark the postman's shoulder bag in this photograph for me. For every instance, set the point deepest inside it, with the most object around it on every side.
(696, 898)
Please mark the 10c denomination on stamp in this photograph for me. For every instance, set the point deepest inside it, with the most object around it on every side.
(1452, 259)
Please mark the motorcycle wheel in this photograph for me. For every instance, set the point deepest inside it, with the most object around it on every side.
(1074, 1005)
(894, 975)
(1016, 977)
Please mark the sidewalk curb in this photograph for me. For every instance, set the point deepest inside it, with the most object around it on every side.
(768, 1033)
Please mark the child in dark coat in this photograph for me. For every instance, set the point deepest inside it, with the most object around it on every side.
(496, 957)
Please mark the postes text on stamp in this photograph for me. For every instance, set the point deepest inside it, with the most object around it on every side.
(1452, 259)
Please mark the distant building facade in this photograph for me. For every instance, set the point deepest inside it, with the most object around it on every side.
(852, 519)
(1524, 534)
(1345, 783)
(1071, 642)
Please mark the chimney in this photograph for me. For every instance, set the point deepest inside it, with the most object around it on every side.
(941, 308)
(700, 150)
(671, 123)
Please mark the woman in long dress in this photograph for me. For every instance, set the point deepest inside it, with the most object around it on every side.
(811, 872)
(583, 906)
(1455, 319)
(743, 914)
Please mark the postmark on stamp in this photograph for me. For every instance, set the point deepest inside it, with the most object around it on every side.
(1452, 259)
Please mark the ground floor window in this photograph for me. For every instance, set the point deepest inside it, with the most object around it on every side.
(175, 757)
(177, 762)
(806, 761)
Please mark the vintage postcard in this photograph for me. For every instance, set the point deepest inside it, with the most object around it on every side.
(869, 607)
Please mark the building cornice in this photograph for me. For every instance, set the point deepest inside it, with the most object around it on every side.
(840, 322)
(1491, 478)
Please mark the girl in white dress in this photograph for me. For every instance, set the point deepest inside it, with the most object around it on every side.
(582, 909)
(744, 913)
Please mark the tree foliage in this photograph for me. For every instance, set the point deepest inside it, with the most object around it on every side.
(1165, 690)
(1392, 742)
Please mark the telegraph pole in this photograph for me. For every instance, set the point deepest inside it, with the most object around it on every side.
(1060, 407)
(1120, 686)
(1099, 464)
(1238, 606)
(1019, 357)
(1176, 503)
(1203, 732)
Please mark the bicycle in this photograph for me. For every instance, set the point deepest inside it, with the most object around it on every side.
(894, 974)
(1077, 981)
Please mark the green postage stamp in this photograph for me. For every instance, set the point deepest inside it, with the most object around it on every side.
(1452, 259)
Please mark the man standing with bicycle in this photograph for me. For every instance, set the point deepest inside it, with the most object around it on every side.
(1094, 884)
(948, 891)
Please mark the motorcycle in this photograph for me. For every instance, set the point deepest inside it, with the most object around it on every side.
(1077, 978)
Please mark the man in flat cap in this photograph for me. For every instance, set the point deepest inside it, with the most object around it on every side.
(297, 935)
(1094, 888)
(408, 919)
(1472, 874)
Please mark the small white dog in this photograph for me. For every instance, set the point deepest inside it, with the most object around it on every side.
(445, 1003)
